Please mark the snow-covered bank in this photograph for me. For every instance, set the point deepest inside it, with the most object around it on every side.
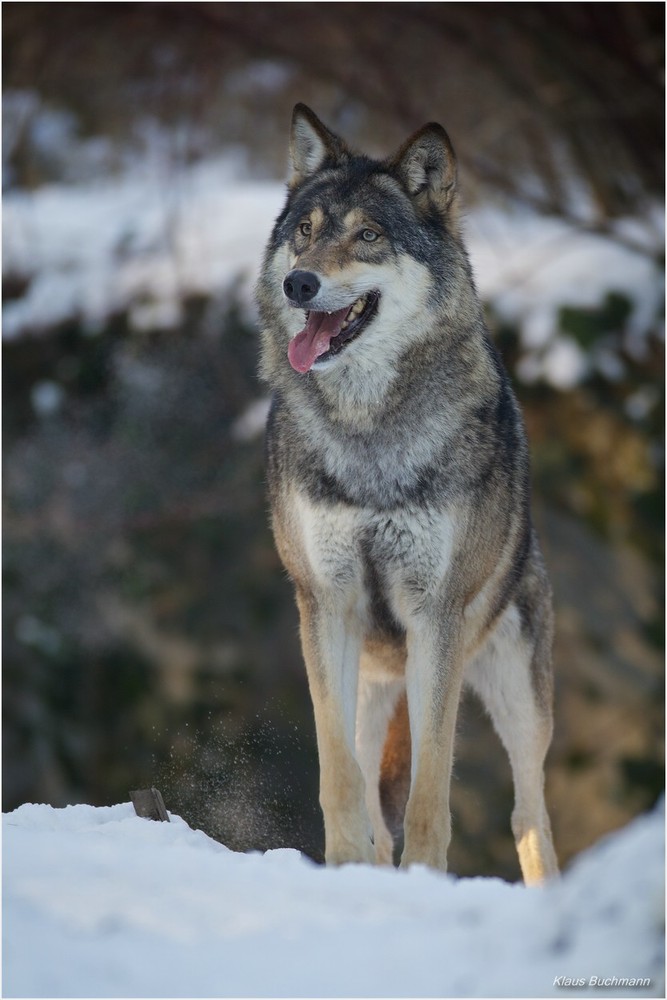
(99, 903)
(138, 242)
(143, 242)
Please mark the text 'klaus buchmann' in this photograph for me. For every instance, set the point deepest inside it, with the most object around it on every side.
(601, 981)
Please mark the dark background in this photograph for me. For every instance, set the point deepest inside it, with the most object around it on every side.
(150, 636)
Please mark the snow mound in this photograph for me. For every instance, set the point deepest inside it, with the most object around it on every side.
(100, 903)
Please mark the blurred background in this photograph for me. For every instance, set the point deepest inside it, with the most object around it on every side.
(150, 635)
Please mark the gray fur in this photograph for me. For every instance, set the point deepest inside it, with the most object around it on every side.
(399, 482)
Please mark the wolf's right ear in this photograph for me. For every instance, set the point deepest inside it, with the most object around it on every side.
(426, 164)
(311, 143)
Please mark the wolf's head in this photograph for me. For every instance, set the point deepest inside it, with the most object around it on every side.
(364, 250)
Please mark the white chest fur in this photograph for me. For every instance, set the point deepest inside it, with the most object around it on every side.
(408, 550)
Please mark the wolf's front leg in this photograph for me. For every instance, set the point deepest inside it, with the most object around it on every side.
(331, 645)
(434, 675)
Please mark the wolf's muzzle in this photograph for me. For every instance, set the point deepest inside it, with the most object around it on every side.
(301, 286)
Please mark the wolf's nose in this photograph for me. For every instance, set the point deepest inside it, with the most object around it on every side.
(301, 286)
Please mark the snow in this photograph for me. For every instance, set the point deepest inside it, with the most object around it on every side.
(143, 240)
(139, 242)
(529, 266)
(98, 902)
(251, 423)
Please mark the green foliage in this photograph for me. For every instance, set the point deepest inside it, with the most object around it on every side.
(588, 325)
(644, 776)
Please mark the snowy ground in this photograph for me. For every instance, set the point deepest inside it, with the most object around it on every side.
(145, 239)
(99, 903)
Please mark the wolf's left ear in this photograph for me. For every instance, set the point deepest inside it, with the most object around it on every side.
(426, 164)
(311, 143)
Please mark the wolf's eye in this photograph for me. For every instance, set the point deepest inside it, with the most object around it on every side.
(305, 228)
(369, 235)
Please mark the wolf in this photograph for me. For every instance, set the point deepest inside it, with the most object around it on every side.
(398, 477)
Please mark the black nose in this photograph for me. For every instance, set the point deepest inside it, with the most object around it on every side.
(301, 286)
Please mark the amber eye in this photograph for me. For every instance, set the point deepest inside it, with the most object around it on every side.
(305, 228)
(369, 235)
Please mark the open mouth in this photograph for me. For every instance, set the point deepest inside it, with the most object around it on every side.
(326, 334)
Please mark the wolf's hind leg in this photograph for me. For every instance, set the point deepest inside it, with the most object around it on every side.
(505, 677)
(395, 774)
(375, 707)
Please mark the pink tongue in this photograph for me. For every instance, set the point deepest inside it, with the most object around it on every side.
(314, 339)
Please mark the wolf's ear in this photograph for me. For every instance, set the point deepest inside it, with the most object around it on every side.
(426, 164)
(311, 143)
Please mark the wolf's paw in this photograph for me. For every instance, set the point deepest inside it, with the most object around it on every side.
(432, 859)
(425, 844)
(384, 848)
(345, 852)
